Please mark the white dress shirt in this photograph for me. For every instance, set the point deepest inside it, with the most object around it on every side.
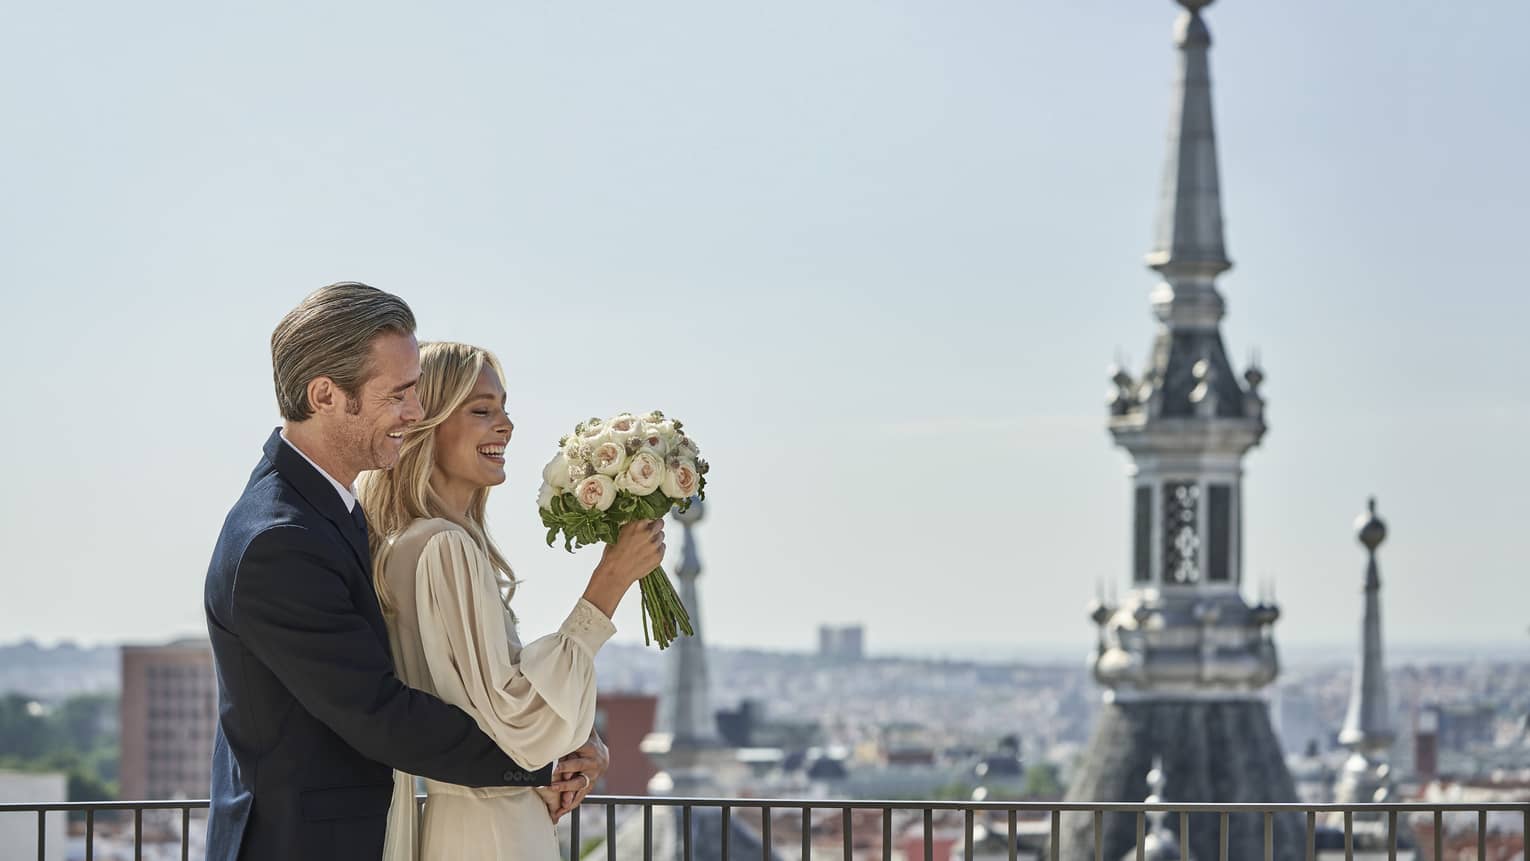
(347, 494)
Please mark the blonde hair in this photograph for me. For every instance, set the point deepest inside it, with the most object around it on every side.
(329, 334)
(394, 498)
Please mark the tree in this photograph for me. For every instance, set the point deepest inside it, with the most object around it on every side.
(1042, 781)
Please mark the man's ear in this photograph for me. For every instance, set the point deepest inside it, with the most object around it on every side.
(324, 396)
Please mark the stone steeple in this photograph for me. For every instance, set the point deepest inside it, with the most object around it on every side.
(1183, 657)
(685, 744)
(1187, 421)
(1367, 728)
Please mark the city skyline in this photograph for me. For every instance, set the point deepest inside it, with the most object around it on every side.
(888, 270)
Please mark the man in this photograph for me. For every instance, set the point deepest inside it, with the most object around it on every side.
(312, 719)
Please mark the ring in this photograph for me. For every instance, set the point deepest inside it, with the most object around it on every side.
(587, 782)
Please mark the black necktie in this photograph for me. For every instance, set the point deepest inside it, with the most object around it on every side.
(359, 518)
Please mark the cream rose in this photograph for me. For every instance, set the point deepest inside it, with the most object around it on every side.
(546, 495)
(623, 427)
(680, 479)
(591, 430)
(597, 492)
(643, 475)
(555, 472)
(608, 458)
(654, 439)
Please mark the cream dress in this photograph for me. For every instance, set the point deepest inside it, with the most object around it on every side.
(453, 636)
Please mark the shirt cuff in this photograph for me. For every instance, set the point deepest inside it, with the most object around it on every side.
(587, 626)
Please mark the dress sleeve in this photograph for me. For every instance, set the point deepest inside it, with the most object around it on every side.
(536, 706)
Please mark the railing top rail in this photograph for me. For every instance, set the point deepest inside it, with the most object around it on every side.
(1064, 806)
(867, 804)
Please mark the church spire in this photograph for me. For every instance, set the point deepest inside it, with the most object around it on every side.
(1188, 250)
(1367, 728)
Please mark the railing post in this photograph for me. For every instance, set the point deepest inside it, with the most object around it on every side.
(573, 836)
(90, 834)
(1269, 836)
(1391, 835)
(1099, 835)
(42, 835)
(685, 839)
(929, 827)
(611, 832)
(846, 825)
(1439, 835)
(967, 834)
(887, 834)
(1482, 835)
(1141, 836)
(807, 834)
(1222, 839)
(138, 834)
(727, 828)
(648, 832)
(1184, 834)
(1312, 835)
(185, 834)
(1349, 835)
(765, 812)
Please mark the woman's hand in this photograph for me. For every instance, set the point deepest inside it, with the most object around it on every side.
(584, 766)
(553, 799)
(566, 783)
(639, 549)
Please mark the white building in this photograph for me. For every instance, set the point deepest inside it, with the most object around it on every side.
(18, 831)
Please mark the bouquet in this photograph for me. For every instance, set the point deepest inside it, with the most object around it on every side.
(609, 473)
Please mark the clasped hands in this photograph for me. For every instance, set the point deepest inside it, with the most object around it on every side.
(574, 776)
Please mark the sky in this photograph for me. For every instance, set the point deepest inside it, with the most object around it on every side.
(877, 255)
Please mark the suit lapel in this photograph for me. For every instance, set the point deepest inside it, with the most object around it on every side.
(316, 489)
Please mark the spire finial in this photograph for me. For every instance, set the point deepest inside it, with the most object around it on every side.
(1370, 529)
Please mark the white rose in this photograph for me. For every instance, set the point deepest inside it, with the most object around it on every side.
(643, 475)
(591, 430)
(597, 491)
(680, 479)
(609, 457)
(654, 440)
(623, 427)
(546, 495)
(555, 472)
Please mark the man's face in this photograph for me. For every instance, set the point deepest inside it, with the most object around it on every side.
(371, 428)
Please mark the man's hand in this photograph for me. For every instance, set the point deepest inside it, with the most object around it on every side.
(577, 773)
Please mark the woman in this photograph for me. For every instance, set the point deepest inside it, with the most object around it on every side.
(445, 592)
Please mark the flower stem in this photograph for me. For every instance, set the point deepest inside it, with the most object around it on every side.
(664, 608)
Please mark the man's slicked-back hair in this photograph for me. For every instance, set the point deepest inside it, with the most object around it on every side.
(329, 334)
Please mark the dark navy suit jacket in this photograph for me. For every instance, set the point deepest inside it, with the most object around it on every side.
(311, 717)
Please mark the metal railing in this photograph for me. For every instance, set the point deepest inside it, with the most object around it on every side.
(1009, 813)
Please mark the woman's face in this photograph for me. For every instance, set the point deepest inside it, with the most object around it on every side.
(470, 444)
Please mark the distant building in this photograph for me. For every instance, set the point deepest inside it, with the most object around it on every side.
(18, 831)
(623, 721)
(169, 711)
(842, 642)
(1461, 727)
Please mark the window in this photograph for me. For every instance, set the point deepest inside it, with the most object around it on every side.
(1219, 534)
(1181, 537)
(1142, 536)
